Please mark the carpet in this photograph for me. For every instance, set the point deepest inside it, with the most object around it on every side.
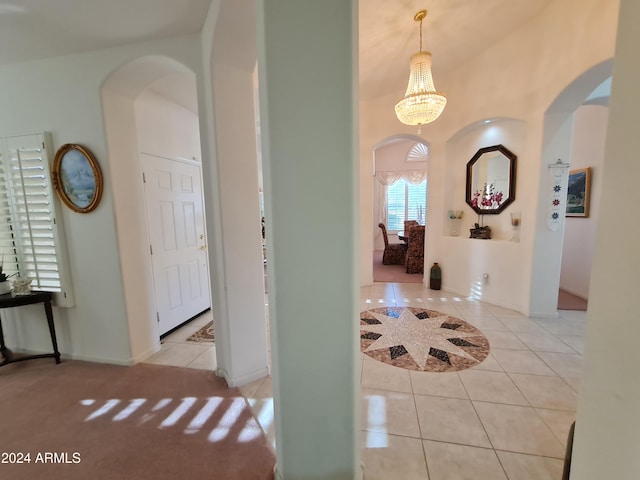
(419, 339)
(392, 273)
(145, 422)
(205, 334)
(569, 301)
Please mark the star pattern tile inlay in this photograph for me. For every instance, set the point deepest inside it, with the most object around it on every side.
(421, 339)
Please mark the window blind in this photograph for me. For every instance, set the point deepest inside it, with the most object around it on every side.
(405, 202)
(31, 241)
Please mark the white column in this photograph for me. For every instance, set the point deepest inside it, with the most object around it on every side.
(230, 174)
(306, 75)
(607, 437)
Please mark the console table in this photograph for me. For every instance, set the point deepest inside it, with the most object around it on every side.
(8, 301)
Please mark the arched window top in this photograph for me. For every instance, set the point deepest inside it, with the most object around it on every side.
(418, 153)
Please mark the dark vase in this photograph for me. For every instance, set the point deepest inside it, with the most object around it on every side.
(435, 277)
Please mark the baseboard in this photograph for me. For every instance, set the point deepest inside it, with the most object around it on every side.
(144, 355)
(74, 356)
(278, 476)
(517, 308)
(276, 473)
(544, 314)
(91, 358)
(242, 379)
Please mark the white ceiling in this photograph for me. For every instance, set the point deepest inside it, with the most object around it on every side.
(34, 29)
(454, 30)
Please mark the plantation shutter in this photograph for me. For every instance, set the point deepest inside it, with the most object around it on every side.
(31, 240)
(405, 201)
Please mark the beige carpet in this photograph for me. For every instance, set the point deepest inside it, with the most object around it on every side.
(568, 301)
(392, 273)
(130, 423)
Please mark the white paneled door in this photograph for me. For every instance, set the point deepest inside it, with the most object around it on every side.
(175, 216)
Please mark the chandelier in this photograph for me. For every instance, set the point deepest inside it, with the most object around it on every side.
(421, 103)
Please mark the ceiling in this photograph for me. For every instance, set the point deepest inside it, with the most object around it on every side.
(454, 30)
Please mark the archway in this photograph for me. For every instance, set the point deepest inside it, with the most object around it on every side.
(587, 157)
(557, 139)
(150, 107)
(400, 196)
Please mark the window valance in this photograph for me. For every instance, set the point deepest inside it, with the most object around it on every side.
(414, 177)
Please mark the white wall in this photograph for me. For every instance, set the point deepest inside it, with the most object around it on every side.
(578, 250)
(120, 128)
(312, 242)
(233, 193)
(165, 128)
(607, 434)
(63, 95)
(464, 260)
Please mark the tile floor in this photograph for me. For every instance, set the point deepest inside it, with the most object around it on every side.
(177, 351)
(504, 419)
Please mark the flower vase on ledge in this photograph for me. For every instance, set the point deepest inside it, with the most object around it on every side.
(515, 226)
(454, 219)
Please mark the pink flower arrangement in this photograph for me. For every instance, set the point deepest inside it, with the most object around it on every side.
(487, 197)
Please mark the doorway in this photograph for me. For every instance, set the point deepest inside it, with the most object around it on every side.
(400, 201)
(176, 225)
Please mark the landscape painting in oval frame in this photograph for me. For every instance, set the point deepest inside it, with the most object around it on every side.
(77, 178)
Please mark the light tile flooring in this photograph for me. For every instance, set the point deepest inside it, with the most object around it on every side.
(177, 351)
(504, 419)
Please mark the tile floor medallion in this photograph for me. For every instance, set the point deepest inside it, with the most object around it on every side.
(421, 339)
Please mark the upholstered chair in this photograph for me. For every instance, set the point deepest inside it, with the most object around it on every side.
(415, 250)
(407, 224)
(394, 253)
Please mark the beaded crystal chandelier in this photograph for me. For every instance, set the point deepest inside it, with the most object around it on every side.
(421, 103)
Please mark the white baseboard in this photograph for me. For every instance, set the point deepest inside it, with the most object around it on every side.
(144, 355)
(510, 306)
(74, 356)
(544, 314)
(278, 476)
(242, 379)
(91, 358)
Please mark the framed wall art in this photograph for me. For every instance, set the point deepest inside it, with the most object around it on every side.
(578, 192)
(77, 178)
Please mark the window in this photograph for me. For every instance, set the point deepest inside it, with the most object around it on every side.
(405, 201)
(31, 240)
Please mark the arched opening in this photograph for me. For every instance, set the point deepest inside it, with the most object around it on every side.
(152, 130)
(399, 203)
(558, 141)
(587, 158)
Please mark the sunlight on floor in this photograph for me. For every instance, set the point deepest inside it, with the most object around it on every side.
(221, 415)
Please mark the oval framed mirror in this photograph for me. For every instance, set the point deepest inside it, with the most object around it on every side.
(491, 180)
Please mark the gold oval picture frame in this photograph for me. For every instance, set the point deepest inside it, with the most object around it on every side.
(77, 178)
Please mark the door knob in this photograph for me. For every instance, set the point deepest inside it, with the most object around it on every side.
(203, 247)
